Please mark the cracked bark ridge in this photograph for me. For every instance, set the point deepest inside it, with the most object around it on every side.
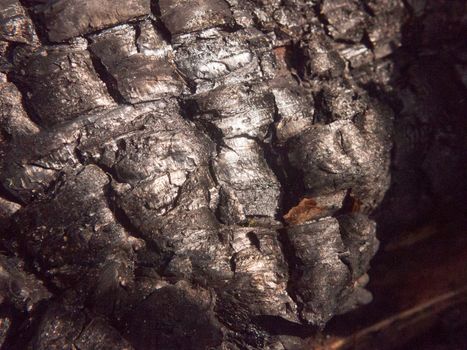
(179, 173)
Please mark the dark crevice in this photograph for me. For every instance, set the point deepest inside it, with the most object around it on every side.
(23, 325)
(32, 265)
(159, 25)
(292, 186)
(107, 78)
(321, 17)
(21, 85)
(122, 218)
(4, 193)
(253, 238)
(367, 8)
(276, 325)
(367, 41)
(294, 264)
(34, 12)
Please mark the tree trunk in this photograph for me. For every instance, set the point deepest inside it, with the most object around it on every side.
(213, 174)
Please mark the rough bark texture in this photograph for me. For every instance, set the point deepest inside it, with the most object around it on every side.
(199, 174)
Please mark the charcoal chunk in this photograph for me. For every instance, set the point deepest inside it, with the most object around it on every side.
(15, 24)
(62, 84)
(246, 179)
(139, 76)
(69, 245)
(237, 110)
(186, 16)
(330, 260)
(21, 289)
(324, 275)
(214, 58)
(346, 19)
(339, 155)
(14, 120)
(66, 19)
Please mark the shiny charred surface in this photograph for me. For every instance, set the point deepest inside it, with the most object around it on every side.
(150, 153)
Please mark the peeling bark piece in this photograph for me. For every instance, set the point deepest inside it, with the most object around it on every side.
(246, 179)
(66, 19)
(304, 211)
(186, 16)
(237, 110)
(62, 84)
(15, 24)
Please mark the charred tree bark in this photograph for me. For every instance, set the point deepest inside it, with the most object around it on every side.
(206, 174)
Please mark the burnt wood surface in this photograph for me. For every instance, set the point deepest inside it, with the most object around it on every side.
(218, 174)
